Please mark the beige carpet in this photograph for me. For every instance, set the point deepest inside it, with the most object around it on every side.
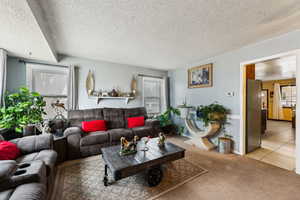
(82, 180)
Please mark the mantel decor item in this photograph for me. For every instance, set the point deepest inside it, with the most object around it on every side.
(116, 93)
(200, 76)
(90, 83)
(127, 147)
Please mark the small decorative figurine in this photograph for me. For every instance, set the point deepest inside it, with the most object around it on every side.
(145, 141)
(128, 147)
(161, 140)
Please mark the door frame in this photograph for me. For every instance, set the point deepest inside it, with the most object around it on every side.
(242, 147)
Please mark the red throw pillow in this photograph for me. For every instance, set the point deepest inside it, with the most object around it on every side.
(92, 126)
(8, 151)
(135, 122)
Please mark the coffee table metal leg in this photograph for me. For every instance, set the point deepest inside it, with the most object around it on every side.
(105, 179)
(154, 176)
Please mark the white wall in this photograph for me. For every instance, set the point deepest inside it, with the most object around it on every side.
(107, 76)
(226, 77)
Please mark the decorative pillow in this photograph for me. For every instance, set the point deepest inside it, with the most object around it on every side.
(135, 122)
(8, 151)
(92, 126)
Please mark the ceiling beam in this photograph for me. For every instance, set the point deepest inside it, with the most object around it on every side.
(37, 13)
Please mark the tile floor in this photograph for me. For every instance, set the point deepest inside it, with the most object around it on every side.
(278, 145)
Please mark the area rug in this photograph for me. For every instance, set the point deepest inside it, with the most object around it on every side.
(82, 180)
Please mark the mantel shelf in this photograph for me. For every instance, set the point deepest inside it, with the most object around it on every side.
(127, 99)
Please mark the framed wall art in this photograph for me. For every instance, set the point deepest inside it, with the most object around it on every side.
(200, 76)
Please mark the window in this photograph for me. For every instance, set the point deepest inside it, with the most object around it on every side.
(154, 95)
(51, 82)
(288, 96)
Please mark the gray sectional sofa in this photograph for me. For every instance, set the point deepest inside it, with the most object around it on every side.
(38, 157)
(82, 144)
(30, 176)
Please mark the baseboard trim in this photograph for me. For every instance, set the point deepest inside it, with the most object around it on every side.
(237, 152)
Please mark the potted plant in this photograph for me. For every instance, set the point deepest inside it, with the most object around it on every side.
(166, 122)
(213, 113)
(22, 111)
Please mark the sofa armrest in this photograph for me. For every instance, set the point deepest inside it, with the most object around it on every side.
(152, 123)
(73, 135)
(36, 143)
(72, 131)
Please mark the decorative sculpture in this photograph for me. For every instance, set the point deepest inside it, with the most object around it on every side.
(199, 137)
(59, 108)
(161, 140)
(128, 147)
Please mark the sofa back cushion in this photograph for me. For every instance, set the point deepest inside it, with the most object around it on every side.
(76, 117)
(34, 143)
(114, 117)
(134, 112)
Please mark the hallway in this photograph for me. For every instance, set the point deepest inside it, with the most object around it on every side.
(277, 146)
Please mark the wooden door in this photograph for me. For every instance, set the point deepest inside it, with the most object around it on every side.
(253, 116)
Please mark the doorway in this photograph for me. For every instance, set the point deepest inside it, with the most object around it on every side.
(269, 105)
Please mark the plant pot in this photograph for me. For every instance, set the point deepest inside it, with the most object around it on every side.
(9, 134)
(29, 130)
(225, 145)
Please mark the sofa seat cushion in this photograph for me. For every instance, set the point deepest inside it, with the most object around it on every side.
(116, 134)
(7, 169)
(143, 131)
(30, 191)
(98, 137)
(47, 156)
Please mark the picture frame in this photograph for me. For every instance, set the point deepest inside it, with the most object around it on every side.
(200, 76)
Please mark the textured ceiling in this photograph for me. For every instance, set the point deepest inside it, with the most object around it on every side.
(163, 34)
(276, 69)
(20, 32)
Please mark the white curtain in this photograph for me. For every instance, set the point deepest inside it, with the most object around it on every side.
(277, 108)
(3, 61)
(72, 89)
(154, 95)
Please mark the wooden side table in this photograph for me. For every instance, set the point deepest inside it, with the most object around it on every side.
(60, 146)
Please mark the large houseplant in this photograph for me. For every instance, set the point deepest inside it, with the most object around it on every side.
(22, 111)
(166, 122)
(213, 113)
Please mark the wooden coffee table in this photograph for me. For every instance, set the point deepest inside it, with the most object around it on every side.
(149, 161)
